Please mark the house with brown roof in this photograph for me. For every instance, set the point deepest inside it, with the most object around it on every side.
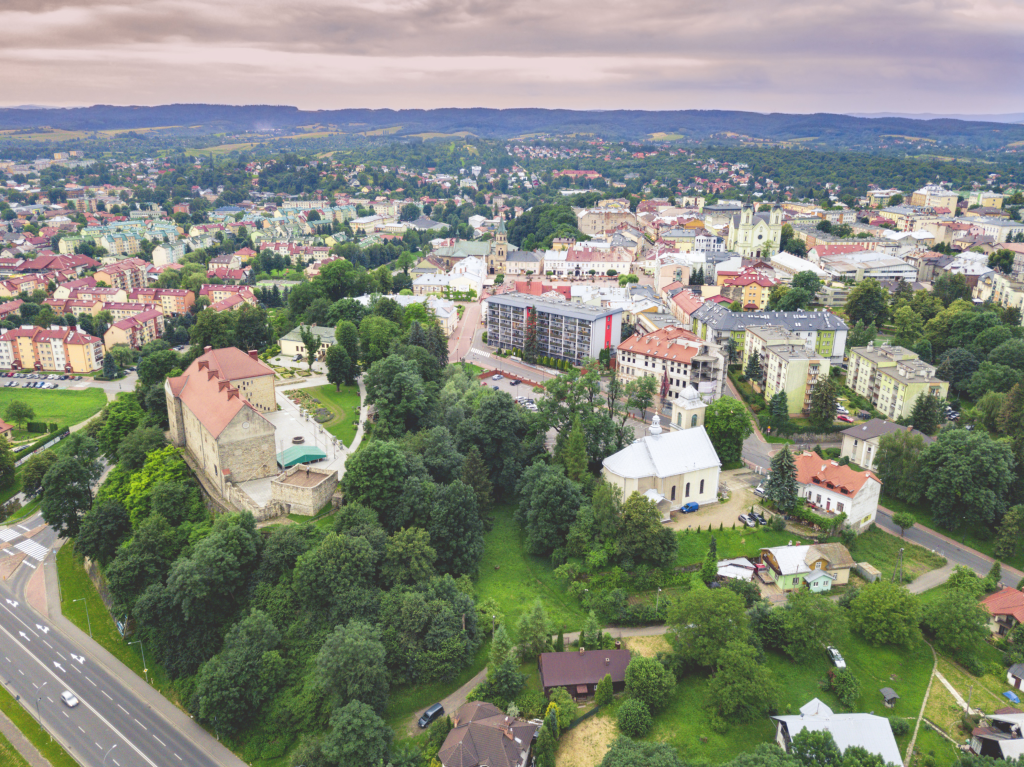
(1006, 608)
(831, 489)
(216, 412)
(580, 672)
(482, 735)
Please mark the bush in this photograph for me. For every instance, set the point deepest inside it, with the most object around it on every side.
(531, 703)
(634, 718)
(899, 727)
(845, 685)
(485, 336)
(777, 523)
(37, 427)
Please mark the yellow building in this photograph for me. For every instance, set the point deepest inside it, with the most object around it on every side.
(932, 196)
(892, 378)
(56, 349)
(790, 364)
(753, 234)
(291, 344)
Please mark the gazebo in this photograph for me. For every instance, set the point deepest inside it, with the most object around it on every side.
(889, 696)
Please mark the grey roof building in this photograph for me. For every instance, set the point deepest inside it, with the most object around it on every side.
(870, 732)
(715, 323)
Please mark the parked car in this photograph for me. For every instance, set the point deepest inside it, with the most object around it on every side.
(296, 358)
(841, 409)
(844, 418)
(759, 518)
(497, 377)
(759, 490)
(747, 520)
(430, 715)
(689, 508)
(69, 699)
(835, 657)
(514, 382)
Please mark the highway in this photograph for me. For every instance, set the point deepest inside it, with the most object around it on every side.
(120, 720)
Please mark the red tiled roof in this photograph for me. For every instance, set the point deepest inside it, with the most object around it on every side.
(667, 343)
(812, 469)
(1006, 602)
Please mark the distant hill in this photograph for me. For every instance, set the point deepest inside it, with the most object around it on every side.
(821, 129)
(1008, 118)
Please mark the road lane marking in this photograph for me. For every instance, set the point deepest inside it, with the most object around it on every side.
(87, 679)
(65, 714)
(21, 672)
(26, 529)
(97, 745)
(28, 565)
(159, 741)
(59, 653)
(76, 669)
(123, 708)
(116, 762)
(177, 757)
(141, 725)
(47, 644)
(81, 730)
(106, 696)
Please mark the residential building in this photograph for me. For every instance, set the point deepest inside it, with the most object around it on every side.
(816, 567)
(10, 307)
(136, 331)
(679, 360)
(216, 412)
(833, 489)
(860, 442)
(56, 348)
(751, 288)
(482, 735)
(565, 331)
(755, 234)
(127, 275)
(1006, 608)
(670, 468)
(218, 294)
(790, 364)
(867, 731)
(171, 301)
(984, 198)
(717, 324)
(292, 343)
(865, 264)
(595, 222)
(934, 196)
(168, 253)
(580, 672)
(999, 735)
(892, 378)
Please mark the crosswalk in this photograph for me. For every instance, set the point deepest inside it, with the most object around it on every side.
(8, 534)
(33, 549)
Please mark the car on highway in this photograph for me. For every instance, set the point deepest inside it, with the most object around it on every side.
(747, 520)
(431, 714)
(689, 508)
(69, 699)
(844, 418)
(835, 657)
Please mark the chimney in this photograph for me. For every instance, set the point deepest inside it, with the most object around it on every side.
(254, 353)
(607, 661)
(207, 349)
(582, 648)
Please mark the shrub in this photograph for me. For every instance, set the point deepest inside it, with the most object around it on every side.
(899, 727)
(777, 523)
(845, 685)
(37, 427)
(634, 718)
(531, 703)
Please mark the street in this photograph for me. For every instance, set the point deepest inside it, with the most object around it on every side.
(119, 716)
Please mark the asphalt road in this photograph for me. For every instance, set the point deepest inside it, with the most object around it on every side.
(128, 725)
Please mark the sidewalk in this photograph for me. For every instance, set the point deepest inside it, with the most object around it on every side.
(21, 743)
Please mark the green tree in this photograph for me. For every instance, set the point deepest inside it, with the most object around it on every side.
(927, 414)
(958, 367)
(34, 469)
(357, 737)
(376, 336)
(753, 369)
(845, 685)
(743, 688)
(104, 528)
(109, 367)
(19, 412)
(727, 422)
(574, 455)
(604, 694)
(640, 394)
(701, 623)
(67, 493)
(475, 474)
(311, 343)
(351, 665)
(642, 536)
(455, 519)
(781, 487)
(1009, 532)
(824, 396)
(951, 287)
(634, 718)
(860, 335)
(958, 622)
(530, 338)
(534, 632)
(963, 578)
(778, 410)
(967, 478)
(904, 520)
(402, 398)
(868, 302)
(566, 707)
(347, 336)
(340, 369)
(548, 504)
(909, 326)
(812, 621)
(124, 415)
(898, 464)
(409, 558)
(886, 613)
(648, 681)
(626, 752)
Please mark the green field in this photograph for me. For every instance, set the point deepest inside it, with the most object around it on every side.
(741, 542)
(60, 406)
(344, 405)
(515, 579)
(684, 723)
(881, 549)
(9, 756)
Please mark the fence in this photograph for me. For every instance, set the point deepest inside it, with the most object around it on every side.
(582, 718)
(45, 446)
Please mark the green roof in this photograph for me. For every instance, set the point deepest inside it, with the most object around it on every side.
(300, 454)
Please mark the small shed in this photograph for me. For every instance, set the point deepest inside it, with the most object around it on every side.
(889, 696)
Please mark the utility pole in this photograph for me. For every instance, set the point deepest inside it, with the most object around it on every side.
(88, 620)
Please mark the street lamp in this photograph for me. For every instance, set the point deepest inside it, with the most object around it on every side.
(86, 613)
(108, 753)
(143, 648)
(39, 716)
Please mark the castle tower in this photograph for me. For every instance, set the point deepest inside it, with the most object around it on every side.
(499, 250)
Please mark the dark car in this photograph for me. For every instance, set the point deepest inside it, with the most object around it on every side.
(515, 382)
(759, 518)
(434, 712)
(689, 508)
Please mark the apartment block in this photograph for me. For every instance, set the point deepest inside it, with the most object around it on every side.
(169, 300)
(56, 348)
(127, 275)
(565, 331)
(135, 331)
(892, 378)
(790, 363)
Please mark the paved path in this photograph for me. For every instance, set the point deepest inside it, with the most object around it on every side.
(920, 715)
(451, 703)
(21, 743)
(959, 698)
(930, 579)
(461, 340)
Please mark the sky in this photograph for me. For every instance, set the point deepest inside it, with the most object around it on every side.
(796, 56)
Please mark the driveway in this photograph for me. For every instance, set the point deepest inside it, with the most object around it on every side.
(740, 484)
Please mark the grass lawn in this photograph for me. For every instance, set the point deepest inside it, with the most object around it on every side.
(977, 538)
(344, 405)
(76, 584)
(684, 722)
(930, 743)
(406, 700)
(60, 406)
(14, 489)
(882, 550)
(745, 542)
(27, 510)
(51, 750)
(515, 579)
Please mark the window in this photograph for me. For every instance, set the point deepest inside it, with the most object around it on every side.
(693, 420)
(818, 499)
(817, 565)
(839, 507)
(673, 492)
(687, 489)
(701, 491)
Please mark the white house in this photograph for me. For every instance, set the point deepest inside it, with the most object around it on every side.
(671, 468)
(831, 488)
(468, 274)
(860, 442)
(870, 732)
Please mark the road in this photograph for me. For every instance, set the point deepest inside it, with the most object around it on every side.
(119, 716)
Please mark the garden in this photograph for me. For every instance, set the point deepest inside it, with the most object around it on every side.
(337, 411)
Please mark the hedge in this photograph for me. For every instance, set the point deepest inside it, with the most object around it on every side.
(37, 427)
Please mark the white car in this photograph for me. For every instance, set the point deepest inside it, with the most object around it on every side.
(841, 409)
(69, 699)
(835, 657)
(497, 377)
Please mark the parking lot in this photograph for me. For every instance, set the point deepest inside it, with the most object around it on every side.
(514, 387)
(42, 381)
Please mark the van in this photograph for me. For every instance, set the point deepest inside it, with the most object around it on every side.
(430, 715)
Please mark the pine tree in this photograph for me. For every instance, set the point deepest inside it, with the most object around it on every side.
(778, 409)
(927, 414)
(109, 366)
(822, 412)
(502, 647)
(1008, 535)
(781, 487)
(475, 474)
(603, 695)
(416, 335)
(560, 642)
(574, 454)
(7, 461)
(753, 369)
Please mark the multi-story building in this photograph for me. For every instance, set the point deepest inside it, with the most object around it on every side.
(892, 378)
(565, 331)
(168, 253)
(933, 196)
(599, 221)
(136, 331)
(789, 362)
(680, 361)
(170, 301)
(751, 288)
(717, 324)
(984, 199)
(56, 348)
(128, 275)
(223, 297)
(755, 234)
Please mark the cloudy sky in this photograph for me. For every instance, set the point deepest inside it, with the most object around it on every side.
(943, 56)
